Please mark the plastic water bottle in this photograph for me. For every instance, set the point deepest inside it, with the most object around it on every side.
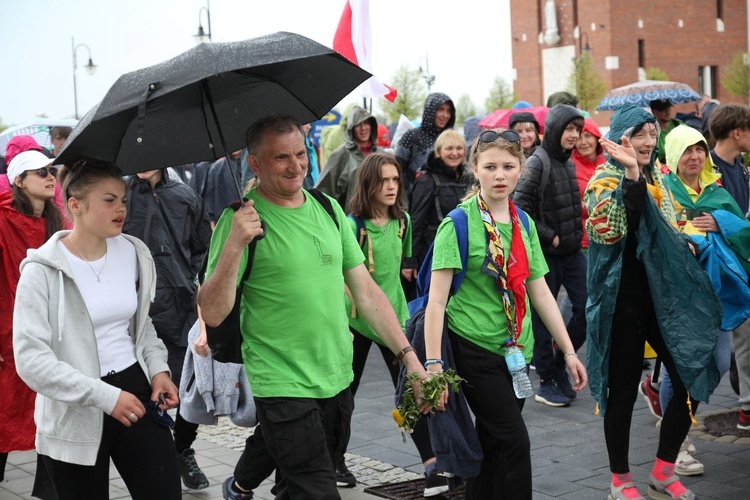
(517, 367)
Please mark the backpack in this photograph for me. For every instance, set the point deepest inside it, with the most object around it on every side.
(225, 340)
(460, 223)
(362, 232)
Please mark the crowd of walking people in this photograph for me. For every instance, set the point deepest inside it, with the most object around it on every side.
(113, 286)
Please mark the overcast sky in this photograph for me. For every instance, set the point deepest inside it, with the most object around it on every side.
(467, 44)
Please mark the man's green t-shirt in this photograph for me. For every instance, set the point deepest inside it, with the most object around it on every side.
(387, 250)
(476, 311)
(295, 330)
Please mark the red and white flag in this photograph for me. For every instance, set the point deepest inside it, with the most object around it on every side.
(353, 41)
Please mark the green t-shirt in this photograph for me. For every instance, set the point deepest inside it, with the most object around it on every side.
(295, 331)
(387, 250)
(476, 311)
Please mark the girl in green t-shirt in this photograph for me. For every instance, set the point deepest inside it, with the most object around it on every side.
(502, 266)
(384, 232)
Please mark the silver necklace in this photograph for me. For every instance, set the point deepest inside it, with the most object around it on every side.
(98, 275)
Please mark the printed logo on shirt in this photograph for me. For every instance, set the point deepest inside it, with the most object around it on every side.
(325, 259)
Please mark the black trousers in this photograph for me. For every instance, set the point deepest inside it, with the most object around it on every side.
(568, 271)
(421, 435)
(633, 323)
(143, 454)
(306, 437)
(505, 472)
(255, 463)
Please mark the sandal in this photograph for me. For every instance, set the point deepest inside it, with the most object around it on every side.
(616, 493)
(688, 446)
(657, 490)
(687, 465)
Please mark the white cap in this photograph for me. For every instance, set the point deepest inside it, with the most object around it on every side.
(28, 160)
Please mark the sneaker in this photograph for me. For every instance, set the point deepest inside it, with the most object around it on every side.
(435, 483)
(651, 395)
(344, 478)
(454, 482)
(658, 489)
(563, 383)
(550, 395)
(744, 422)
(687, 465)
(230, 493)
(192, 475)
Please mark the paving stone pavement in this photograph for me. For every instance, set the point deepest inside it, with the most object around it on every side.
(569, 457)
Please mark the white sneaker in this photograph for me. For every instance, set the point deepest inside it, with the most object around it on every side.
(687, 465)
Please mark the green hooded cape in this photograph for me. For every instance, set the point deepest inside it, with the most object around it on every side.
(687, 308)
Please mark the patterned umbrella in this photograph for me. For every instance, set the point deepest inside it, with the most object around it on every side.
(643, 92)
(38, 128)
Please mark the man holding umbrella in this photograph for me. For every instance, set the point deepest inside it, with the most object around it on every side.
(297, 348)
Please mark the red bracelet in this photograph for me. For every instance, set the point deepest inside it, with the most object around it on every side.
(402, 353)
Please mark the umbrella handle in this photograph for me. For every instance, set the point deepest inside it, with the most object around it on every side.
(263, 234)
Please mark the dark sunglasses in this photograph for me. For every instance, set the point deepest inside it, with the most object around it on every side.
(491, 136)
(44, 172)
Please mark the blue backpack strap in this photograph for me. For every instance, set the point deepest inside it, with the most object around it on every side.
(361, 231)
(460, 223)
(524, 220)
(461, 226)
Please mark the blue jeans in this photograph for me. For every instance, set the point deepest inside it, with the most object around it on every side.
(723, 354)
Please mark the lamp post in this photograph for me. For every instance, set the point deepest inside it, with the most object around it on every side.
(584, 48)
(428, 78)
(204, 36)
(90, 69)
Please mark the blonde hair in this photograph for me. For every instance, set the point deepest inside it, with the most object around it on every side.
(448, 136)
(499, 142)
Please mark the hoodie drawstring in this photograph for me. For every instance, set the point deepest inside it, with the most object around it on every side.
(61, 305)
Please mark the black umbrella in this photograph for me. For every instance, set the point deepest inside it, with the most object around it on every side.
(197, 106)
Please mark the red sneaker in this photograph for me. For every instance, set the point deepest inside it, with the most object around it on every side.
(744, 422)
(651, 396)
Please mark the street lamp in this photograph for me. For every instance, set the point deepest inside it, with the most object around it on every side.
(428, 78)
(584, 48)
(90, 69)
(204, 36)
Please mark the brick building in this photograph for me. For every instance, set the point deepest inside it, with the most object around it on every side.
(693, 41)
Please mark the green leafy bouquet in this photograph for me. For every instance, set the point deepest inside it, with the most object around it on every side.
(407, 414)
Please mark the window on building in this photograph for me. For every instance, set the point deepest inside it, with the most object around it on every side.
(641, 53)
(719, 9)
(707, 78)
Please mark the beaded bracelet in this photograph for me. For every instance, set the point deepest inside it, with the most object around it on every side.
(570, 354)
(434, 362)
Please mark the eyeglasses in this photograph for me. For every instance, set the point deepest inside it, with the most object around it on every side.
(44, 172)
(491, 136)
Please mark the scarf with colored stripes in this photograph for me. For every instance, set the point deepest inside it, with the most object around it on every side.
(509, 274)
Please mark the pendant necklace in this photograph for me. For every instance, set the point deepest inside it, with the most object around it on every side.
(98, 275)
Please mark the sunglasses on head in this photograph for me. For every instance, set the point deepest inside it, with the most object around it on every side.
(491, 136)
(44, 172)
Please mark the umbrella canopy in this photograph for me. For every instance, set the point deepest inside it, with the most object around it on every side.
(501, 117)
(643, 92)
(39, 129)
(197, 106)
